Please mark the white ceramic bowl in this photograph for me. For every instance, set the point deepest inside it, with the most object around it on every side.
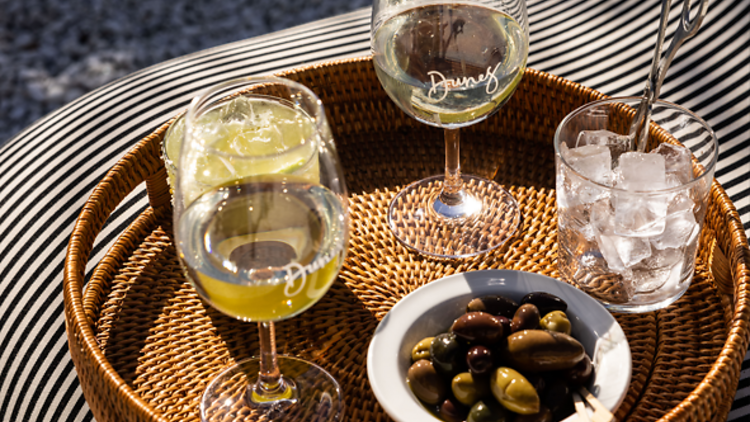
(431, 309)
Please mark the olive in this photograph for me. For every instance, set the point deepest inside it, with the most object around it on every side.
(556, 321)
(453, 411)
(421, 350)
(545, 302)
(540, 350)
(537, 381)
(479, 360)
(514, 391)
(543, 415)
(526, 318)
(426, 383)
(506, 325)
(445, 352)
(479, 327)
(488, 411)
(581, 373)
(556, 393)
(494, 304)
(468, 389)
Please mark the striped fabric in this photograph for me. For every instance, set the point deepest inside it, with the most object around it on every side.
(48, 171)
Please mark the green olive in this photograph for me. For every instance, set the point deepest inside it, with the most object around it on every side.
(421, 350)
(556, 321)
(514, 391)
(468, 389)
(426, 383)
(488, 411)
(446, 352)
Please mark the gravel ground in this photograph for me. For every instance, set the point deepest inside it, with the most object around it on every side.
(53, 51)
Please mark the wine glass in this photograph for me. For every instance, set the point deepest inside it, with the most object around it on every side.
(450, 65)
(261, 229)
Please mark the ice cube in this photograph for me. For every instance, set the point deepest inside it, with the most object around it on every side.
(677, 161)
(623, 252)
(591, 161)
(681, 202)
(678, 230)
(639, 214)
(574, 190)
(692, 248)
(641, 172)
(617, 144)
(237, 111)
(653, 272)
(602, 217)
(600, 137)
(609, 252)
(562, 186)
(672, 181)
(577, 218)
(632, 250)
(211, 133)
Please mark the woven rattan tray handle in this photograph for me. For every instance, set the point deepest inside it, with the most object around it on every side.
(142, 163)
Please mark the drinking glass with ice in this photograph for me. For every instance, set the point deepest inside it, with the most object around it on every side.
(629, 222)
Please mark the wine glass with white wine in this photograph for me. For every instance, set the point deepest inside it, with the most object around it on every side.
(451, 64)
(261, 229)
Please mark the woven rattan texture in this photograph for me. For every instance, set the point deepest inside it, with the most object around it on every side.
(145, 345)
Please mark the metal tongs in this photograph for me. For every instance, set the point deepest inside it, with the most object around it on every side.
(581, 398)
(687, 28)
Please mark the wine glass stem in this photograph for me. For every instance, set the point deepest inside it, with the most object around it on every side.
(452, 186)
(269, 375)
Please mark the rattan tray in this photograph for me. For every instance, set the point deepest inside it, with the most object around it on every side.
(145, 345)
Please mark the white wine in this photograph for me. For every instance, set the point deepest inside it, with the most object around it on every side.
(263, 248)
(450, 65)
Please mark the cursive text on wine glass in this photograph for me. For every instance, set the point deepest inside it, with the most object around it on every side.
(438, 80)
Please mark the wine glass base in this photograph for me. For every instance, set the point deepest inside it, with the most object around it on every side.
(487, 217)
(315, 395)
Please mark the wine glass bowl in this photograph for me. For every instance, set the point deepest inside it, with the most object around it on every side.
(450, 65)
(261, 230)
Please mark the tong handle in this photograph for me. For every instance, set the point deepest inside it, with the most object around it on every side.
(659, 65)
(581, 398)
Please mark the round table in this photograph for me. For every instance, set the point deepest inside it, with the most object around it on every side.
(48, 171)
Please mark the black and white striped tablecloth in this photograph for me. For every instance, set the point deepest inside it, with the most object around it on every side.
(48, 171)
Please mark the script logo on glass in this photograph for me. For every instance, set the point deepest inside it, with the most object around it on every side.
(438, 80)
(295, 271)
